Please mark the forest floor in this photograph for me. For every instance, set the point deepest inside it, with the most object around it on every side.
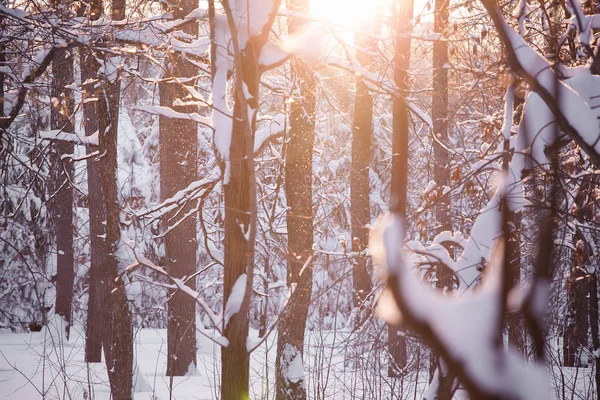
(39, 365)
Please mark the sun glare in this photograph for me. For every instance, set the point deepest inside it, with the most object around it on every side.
(348, 13)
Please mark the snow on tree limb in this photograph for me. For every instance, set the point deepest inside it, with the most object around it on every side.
(59, 135)
(572, 112)
(464, 330)
(179, 284)
(170, 113)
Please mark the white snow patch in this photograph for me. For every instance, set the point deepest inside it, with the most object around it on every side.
(234, 302)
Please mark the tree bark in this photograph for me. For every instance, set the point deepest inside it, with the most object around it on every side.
(2, 75)
(178, 168)
(400, 132)
(118, 334)
(593, 278)
(360, 209)
(299, 218)
(239, 253)
(62, 172)
(577, 325)
(514, 322)
(97, 290)
(439, 111)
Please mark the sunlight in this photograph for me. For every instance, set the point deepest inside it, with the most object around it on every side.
(348, 13)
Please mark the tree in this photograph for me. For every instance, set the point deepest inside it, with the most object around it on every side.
(178, 168)
(400, 132)
(439, 111)
(360, 209)
(545, 113)
(60, 178)
(118, 332)
(300, 219)
(97, 295)
(248, 37)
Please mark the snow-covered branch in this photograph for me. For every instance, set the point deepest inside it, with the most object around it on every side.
(463, 330)
(572, 113)
(181, 285)
(59, 135)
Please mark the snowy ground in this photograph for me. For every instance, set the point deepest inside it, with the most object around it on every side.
(37, 365)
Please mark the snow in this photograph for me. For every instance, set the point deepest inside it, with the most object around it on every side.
(574, 107)
(270, 129)
(508, 109)
(308, 46)
(170, 113)
(420, 113)
(252, 342)
(222, 112)
(58, 134)
(465, 325)
(140, 260)
(65, 369)
(235, 299)
(295, 371)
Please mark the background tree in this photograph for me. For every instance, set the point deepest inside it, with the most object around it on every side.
(360, 208)
(118, 332)
(97, 294)
(178, 168)
(299, 218)
(400, 134)
(61, 175)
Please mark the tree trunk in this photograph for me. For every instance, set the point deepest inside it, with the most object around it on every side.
(593, 277)
(514, 321)
(97, 289)
(300, 220)
(178, 168)
(240, 212)
(439, 111)
(576, 324)
(61, 175)
(399, 187)
(118, 338)
(2, 75)
(360, 211)
(516, 332)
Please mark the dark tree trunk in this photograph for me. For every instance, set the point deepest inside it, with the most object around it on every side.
(576, 329)
(2, 75)
(61, 189)
(439, 111)
(97, 290)
(178, 168)
(514, 322)
(593, 277)
(118, 338)
(575, 338)
(117, 334)
(300, 220)
(399, 187)
(516, 330)
(360, 211)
